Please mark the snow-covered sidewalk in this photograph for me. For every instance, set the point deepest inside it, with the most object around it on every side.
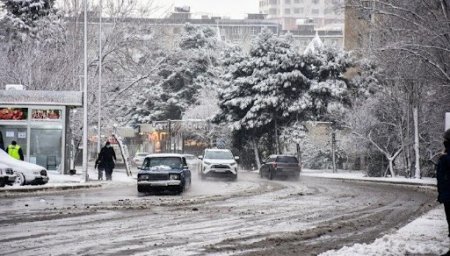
(427, 235)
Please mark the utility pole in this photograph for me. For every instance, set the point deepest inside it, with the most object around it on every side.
(85, 99)
(333, 149)
(170, 136)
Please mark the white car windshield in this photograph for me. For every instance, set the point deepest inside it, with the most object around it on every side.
(225, 155)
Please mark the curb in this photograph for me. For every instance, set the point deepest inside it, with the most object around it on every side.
(47, 188)
(379, 181)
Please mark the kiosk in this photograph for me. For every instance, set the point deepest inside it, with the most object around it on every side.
(39, 122)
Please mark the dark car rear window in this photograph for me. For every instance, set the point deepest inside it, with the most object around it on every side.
(172, 162)
(287, 159)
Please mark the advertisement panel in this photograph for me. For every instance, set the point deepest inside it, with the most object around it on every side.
(46, 114)
(13, 113)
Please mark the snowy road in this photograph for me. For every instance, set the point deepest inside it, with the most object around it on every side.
(250, 217)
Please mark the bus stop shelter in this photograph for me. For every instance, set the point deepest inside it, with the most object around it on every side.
(39, 122)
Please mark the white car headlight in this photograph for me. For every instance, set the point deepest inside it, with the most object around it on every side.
(174, 177)
(233, 164)
(207, 163)
(1, 171)
(144, 177)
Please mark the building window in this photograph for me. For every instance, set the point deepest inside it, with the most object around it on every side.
(287, 1)
(315, 11)
(273, 2)
(273, 11)
(315, 1)
(298, 1)
(287, 11)
(296, 10)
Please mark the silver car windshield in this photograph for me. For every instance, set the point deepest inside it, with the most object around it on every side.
(225, 155)
(168, 162)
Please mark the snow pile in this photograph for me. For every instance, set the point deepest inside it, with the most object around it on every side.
(359, 175)
(119, 176)
(424, 236)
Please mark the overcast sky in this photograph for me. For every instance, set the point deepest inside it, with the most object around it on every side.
(231, 8)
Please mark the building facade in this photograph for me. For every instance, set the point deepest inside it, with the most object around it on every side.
(289, 13)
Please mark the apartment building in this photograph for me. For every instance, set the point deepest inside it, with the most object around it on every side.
(291, 13)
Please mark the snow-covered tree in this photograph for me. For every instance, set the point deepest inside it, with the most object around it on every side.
(274, 86)
(409, 42)
(28, 17)
(180, 76)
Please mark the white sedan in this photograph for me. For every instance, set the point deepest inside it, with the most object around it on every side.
(27, 173)
(139, 158)
(7, 175)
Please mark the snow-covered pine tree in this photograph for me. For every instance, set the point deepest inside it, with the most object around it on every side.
(265, 89)
(329, 86)
(28, 17)
(179, 77)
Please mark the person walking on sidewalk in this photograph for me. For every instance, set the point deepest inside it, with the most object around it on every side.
(99, 167)
(106, 159)
(15, 151)
(443, 178)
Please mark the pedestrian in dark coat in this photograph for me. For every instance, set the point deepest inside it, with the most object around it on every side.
(443, 178)
(106, 160)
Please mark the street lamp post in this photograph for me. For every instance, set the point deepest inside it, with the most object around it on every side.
(85, 105)
(99, 78)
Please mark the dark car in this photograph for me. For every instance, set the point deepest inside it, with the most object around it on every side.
(164, 172)
(280, 166)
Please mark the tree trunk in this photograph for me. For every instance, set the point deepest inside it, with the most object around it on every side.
(255, 150)
(277, 142)
(391, 166)
(408, 148)
(416, 142)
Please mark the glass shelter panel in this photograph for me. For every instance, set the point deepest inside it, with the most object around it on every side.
(14, 132)
(45, 147)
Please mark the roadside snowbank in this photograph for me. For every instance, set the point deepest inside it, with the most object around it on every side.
(427, 235)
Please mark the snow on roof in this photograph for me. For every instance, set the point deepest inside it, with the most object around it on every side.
(315, 44)
(54, 98)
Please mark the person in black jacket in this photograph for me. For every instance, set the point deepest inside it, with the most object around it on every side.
(443, 178)
(106, 160)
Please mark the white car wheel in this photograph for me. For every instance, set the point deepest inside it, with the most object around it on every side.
(20, 179)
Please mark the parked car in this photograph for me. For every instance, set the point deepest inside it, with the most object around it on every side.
(280, 165)
(193, 162)
(138, 159)
(27, 173)
(7, 175)
(164, 172)
(219, 163)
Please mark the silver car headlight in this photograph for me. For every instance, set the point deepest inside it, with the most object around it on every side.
(206, 163)
(233, 164)
(1, 171)
(174, 177)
